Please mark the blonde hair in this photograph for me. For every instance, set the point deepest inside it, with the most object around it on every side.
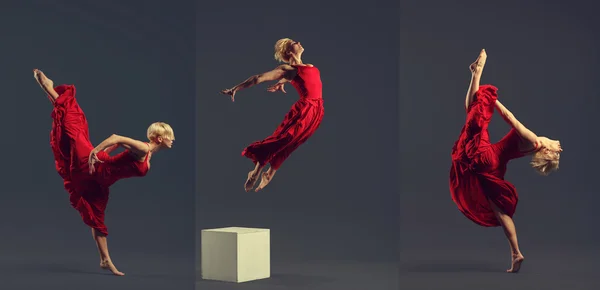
(160, 129)
(282, 47)
(543, 164)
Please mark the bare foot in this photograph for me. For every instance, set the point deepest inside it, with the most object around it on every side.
(108, 265)
(252, 179)
(516, 263)
(42, 79)
(264, 180)
(477, 67)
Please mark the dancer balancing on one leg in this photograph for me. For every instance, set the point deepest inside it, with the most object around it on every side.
(477, 182)
(299, 124)
(88, 172)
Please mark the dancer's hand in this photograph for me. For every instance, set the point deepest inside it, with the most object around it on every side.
(277, 87)
(555, 145)
(230, 92)
(93, 159)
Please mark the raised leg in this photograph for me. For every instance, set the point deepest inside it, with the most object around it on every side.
(476, 72)
(511, 233)
(105, 261)
(46, 83)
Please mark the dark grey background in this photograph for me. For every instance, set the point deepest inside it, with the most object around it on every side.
(542, 55)
(332, 206)
(132, 65)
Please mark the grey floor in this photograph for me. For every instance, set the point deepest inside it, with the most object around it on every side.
(68, 270)
(318, 275)
(45, 246)
(544, 268)
(312, 250)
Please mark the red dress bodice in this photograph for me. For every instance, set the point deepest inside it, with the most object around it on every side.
(120, 166)
(308, 82)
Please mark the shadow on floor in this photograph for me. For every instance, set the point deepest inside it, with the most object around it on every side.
(58, 268)
(452, 267)
(285, 280)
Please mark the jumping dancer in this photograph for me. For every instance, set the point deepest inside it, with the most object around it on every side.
(299, 124)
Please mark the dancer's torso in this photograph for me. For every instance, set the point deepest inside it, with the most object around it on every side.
(475, 148)
(120, 166)
(308, 82)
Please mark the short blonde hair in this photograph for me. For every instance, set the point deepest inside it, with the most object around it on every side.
(543, 164)
(160, 129)
(282, 47)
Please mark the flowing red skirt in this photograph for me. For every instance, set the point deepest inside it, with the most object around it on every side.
(478, 167)
(71, 146)
(299, 124)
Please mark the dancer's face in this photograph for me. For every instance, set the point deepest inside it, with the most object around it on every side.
(295, 48)
(550, 154)
(166, 142)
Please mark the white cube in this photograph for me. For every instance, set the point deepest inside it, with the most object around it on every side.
(236, 254)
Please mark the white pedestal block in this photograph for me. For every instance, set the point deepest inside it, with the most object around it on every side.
(236, 254)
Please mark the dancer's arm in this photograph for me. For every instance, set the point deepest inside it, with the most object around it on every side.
(112, 148)
(279, 86)
(138, 147)
(523, 131)
(281, 72)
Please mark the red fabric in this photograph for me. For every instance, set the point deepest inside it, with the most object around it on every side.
(70, 143)
(299, 124)
(478, 167)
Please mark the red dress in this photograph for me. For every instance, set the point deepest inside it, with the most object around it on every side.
(71, 146)
(478, 167)
(299, 124)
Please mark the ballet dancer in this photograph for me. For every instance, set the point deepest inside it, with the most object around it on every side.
(299, 124)
(88, 172)
(477, 182)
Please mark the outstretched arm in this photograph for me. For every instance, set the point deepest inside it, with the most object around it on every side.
(508, 116)
(281, 72)
(138, 147)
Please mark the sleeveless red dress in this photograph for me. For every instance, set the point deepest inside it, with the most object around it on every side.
(70, 143)
(299, 124)
(478, 166)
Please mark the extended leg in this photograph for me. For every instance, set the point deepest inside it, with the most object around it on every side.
(105, 261)
(476, 72)
(265, 178)
(253, 176)
(511, 233)
(46, 83)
